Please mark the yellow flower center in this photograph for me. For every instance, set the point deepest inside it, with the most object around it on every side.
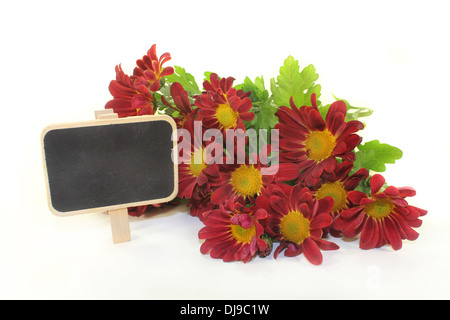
(246, 181)
(195, 167)
(380, 208)
(242, 235)
(294, 227)
(226, 116)
(320, 144)
(337, 191)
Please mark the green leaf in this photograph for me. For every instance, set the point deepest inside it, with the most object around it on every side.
(265, 117)
(364, 186)
(364, 159)
(293, 83)
(262, 105)
(187, 80)
(374, 155)
(257, 88)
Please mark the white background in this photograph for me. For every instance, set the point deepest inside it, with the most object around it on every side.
(56, 62)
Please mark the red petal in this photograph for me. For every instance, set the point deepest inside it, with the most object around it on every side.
(207, 233)
(315, 120)
(156, 66)
(167, 72)
(312, 252)
(314, 101)
(152, 52)
(350, 156)
(392, 191)
(326, 245)
(422, 212)
(243, 220)
(336, 108)
(286, 172)
(340, 147)
(262, 202)
(155, 86)
(262, 245)
(234, 102)
(292, 103)
(376, 182)
(353, 227)
(339, 223)
(293, 250)
(369, 234)
(164, 58)
(336, 123)
(285, 115)
(222, 194)
(392, 234)
(245, 106)
(248, 116)
(294, 197)
(329, 164)
(214, 78)
(407, 192)
(352, 127)
(335, 116)
(150, 75)
(325, 205)
(410, 234)
(366, 201)
(294, 135)
(349, 213)
(306, 164)
(353, 181)
(260, 214)
(267, 178)
(205, 247)
(321, 221)
(278, 205)
(356, 196)
(352, 141)
(186, 188)
(118, 90)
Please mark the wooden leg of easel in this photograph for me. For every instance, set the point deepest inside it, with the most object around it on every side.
(119, 225)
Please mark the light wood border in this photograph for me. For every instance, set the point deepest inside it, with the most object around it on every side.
(120, 226)
(108, 121)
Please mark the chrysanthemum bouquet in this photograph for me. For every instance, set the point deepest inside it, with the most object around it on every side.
(264, 169)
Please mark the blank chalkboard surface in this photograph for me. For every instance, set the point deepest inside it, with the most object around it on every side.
(109, 164)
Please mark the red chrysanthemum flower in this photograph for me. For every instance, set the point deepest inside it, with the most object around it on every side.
(197, 175)
(220, 86)
(182, 105)
(383, 218)
(314, 144)
(233, 232)
(133, 95)
(150, 69)
(223, 107)
(199, 205)
(337, 184)
(247, 180)
(296, 219)
(129, 99)
(138, 211)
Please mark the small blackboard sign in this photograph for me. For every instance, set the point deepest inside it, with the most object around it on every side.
(108, 164)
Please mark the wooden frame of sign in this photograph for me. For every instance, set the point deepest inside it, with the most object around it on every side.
(93, 182)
